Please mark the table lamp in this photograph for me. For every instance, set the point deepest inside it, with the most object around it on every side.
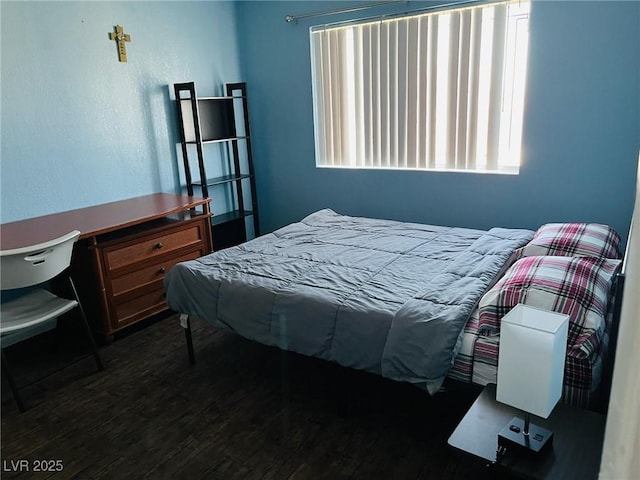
(533, 344)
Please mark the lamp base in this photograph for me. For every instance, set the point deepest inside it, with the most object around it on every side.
(512, 436)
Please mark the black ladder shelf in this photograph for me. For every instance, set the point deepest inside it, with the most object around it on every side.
(204, 120)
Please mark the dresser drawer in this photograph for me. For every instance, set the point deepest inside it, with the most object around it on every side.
(136, 308)
(152, 246)
(152, 273)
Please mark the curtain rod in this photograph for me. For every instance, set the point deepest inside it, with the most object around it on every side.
(431, 8)
(293, 18)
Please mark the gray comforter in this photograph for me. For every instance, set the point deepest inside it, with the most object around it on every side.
(383, 296)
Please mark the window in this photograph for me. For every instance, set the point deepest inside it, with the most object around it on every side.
(431, 91)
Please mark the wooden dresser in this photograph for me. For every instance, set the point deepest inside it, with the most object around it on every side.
(124, 251)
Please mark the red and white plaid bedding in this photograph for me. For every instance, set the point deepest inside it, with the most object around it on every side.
(575, 286)
(477, 362)
(574, 240)
(579, 287)
(462, 368)
(581, 375)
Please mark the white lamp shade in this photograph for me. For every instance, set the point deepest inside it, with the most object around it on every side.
(533, 344)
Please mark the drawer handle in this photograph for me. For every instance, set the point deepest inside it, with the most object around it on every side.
(162, 270)
(157, 246)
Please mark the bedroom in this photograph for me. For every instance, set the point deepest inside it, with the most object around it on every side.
(79, 128)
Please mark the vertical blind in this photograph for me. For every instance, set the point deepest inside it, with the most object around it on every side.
(438, 90)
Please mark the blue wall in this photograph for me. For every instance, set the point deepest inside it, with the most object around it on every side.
(581, 132)
(80, 128)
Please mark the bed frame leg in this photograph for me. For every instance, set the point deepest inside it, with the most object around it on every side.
(186, 324)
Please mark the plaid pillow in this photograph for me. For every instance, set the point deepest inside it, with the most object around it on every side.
(574, 240)
(576, 286)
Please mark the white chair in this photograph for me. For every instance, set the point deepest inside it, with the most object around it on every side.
(35, 310)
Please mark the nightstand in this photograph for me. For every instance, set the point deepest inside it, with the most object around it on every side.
(577, 440)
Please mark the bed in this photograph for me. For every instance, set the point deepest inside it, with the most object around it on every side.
(410, 302)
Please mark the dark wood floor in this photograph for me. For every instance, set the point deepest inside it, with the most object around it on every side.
(244, 411)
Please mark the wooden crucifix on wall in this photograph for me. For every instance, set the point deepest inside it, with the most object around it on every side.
(120, 37)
